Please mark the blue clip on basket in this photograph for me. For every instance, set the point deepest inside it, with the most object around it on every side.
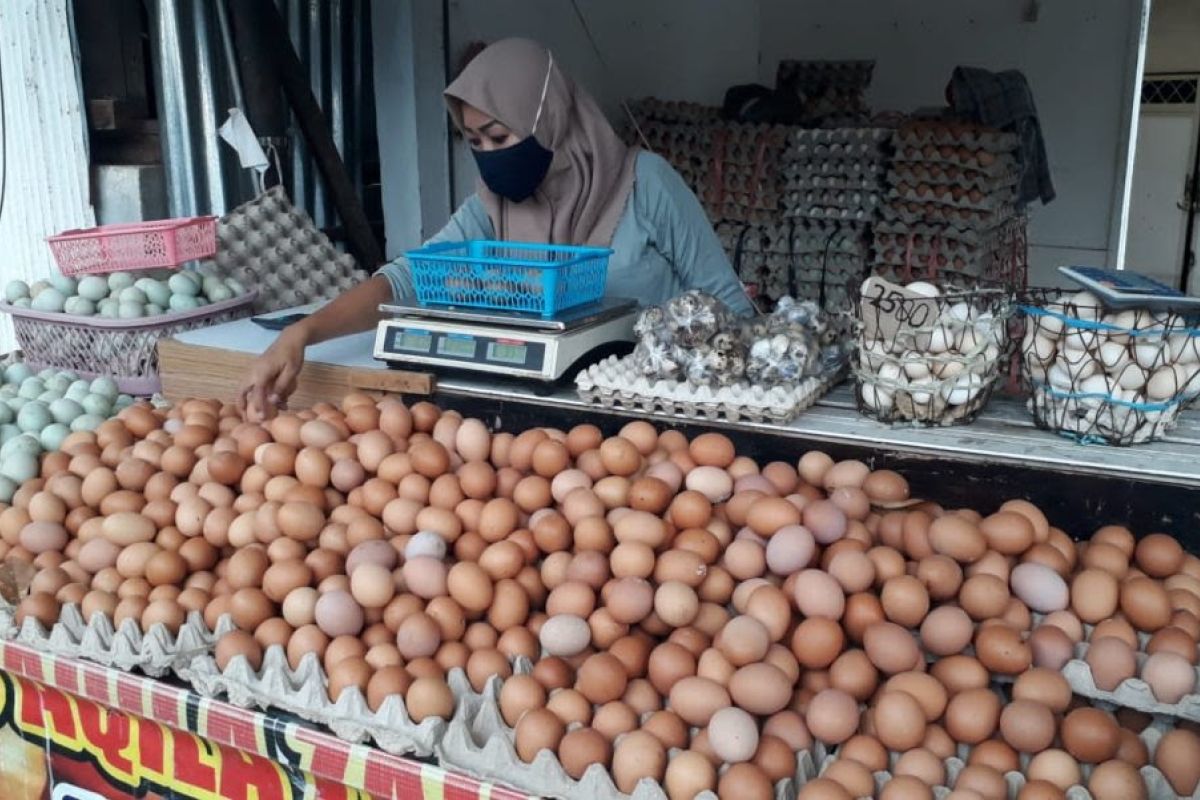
(542, 279)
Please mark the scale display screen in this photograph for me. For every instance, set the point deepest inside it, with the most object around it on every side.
(412, 341)
(461, 346)
(507, 352)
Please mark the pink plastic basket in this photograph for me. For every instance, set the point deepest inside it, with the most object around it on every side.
(144, 245)
(124, 349)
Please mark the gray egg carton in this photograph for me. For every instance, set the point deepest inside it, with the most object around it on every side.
(1130, 693)
(993, 141)
(269, 244)
(304, 692)
(936, 175)
(1156, 783)
(1003, 164)
(155, 652)
(615, 383)
(478, 741)
(962, 217)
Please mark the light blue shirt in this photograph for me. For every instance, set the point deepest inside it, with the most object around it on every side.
(663, 246)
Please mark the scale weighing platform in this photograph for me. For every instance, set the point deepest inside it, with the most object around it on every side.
(513, 344)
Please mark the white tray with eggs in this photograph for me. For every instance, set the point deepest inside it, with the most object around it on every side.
(615, 383)
(480, 741)
(305, 693)
(125, 646)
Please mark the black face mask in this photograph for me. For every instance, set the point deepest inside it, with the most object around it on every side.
(514, 172)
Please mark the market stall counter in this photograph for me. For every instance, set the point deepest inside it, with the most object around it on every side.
(1153, 486)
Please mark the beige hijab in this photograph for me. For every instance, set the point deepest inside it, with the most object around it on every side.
(584, 193)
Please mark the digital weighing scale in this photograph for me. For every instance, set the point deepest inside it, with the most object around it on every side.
(514, 344)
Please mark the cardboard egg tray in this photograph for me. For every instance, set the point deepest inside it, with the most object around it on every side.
(269, 244)
(793, 236)
(478, 741)
(955, 134)
(155, 652)
(914, 212)
(615, 383)
(948, 156)
(866, 182)
(864, 168)
(800, 202)
(875, 138)
(954, 197)
(303, 692)
(1156, 783)
(935, 175)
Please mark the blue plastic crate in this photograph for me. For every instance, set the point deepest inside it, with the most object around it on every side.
(512, 276)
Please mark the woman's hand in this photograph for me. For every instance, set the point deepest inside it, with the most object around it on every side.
(272, 376)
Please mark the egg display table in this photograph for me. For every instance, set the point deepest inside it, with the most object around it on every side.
(69, 725)
(1002, 454)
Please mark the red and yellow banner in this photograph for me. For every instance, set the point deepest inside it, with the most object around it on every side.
(74, 748)
(76, 730)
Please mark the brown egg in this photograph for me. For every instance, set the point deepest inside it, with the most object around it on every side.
(519, 694)
(832, 716)
(891, 648)
(1090, 735)
(899, 720)
(1116, 780)
(429, 697)
(1145, 603)
(637, 755)
(1177, 756)
(1111, 661)
(972, 715)
(1001, 649)
(1094, 595)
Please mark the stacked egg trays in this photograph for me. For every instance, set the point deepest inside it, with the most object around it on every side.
(687, 146)
(1097, 375)
(743, 183)
(951, 194)
(808, 259)
(925, 249)
(928, 357)
(796, 550)
(269, 244)
(836, 173)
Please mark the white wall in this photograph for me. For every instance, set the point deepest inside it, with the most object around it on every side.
(677, 49)
(1078, 57)
(1174, 41)
(46, 164)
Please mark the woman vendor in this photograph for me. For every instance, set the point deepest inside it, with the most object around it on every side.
(553, 170)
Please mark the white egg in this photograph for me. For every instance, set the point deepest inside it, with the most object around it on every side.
(964, 389)
(1084, 305)
(1097, 384)
(1058, 377)
(968, 341)
(1149, 355)
(916, 366)
(1113, 355)
(1049, 324)
(941, 339)
(1131, 376)
(877, 398)
(923, 288)
(922, 393)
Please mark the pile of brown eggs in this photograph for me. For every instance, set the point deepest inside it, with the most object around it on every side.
(692, 618)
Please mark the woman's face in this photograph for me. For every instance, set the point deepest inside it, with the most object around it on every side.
(485, 133)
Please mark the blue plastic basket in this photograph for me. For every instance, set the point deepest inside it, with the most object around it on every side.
(513, 276)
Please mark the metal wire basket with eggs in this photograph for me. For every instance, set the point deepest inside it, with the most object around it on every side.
(1098, 375)
(929, 355)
